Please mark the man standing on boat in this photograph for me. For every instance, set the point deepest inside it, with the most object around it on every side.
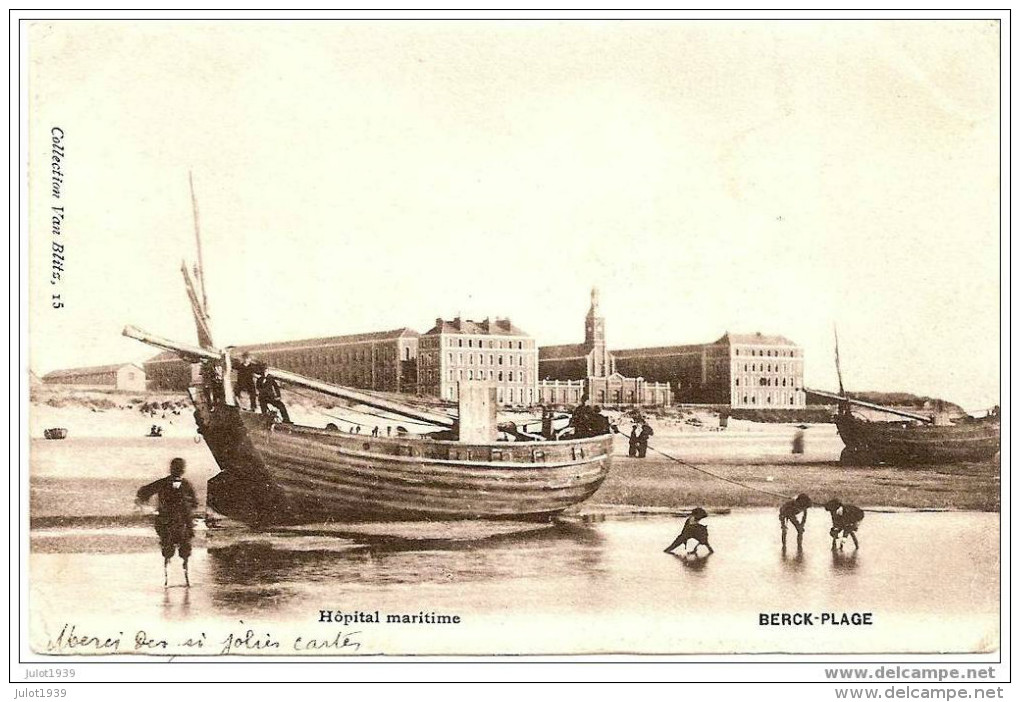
(246, 380)
(269, 394)
(174, 527)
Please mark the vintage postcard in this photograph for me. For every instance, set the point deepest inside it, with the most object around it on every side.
(550, 337)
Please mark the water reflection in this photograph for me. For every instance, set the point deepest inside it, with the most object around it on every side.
(693, 563)
(844, 561)
(271, 569)
(176, 602)
(794, 562)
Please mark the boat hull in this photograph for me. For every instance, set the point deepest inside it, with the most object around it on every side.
(286, 474)
(901, 443)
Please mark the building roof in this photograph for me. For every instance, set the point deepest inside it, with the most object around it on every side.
(757, 338)
(496, 327)
(657, 350)
(88, 370)
(562, 352)
(305, 343)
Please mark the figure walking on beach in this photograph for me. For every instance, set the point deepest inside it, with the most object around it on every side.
(632, 444)
(788, 513)
(845, 520)
(177, 501)
(693, 529)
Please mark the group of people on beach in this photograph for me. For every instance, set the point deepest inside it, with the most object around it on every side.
(845, 521)
(637, 444)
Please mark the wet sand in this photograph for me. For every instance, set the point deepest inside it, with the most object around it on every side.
(929, 582)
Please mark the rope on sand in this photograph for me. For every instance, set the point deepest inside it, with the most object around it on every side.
(720, 477)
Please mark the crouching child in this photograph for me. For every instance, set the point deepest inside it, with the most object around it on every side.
(845, 520)
(788, 515)
(693, 529)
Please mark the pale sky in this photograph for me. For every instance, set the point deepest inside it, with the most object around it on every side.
(358, 176)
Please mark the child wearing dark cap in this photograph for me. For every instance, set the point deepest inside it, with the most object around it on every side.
(788, 513)
(845, 519)
(693, 529)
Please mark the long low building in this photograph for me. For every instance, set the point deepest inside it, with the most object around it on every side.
(119, 376)
(384, 361)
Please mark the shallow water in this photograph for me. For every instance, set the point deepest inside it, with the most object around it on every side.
(929, 580)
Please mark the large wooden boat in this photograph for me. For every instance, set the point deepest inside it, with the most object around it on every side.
(911, 442)
(914, 439)
(276, 473)
(273, 473)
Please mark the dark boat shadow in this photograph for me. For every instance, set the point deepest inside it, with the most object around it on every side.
(265, 568)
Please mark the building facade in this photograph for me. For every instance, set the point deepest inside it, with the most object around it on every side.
(755, 371)
(382, 361)
(494, 351)
(124, 376)
(592, 366)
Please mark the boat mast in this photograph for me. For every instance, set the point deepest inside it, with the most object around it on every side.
(839, 372)
(199, 268)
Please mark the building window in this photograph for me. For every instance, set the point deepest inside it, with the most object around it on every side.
(460, 342)
(471, 374)
(500, 359)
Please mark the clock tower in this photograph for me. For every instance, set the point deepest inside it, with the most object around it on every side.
(600, 363)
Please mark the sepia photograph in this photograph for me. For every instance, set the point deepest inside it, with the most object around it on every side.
(515, 339)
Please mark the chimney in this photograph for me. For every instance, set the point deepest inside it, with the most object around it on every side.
(458, 322)
(439, 323)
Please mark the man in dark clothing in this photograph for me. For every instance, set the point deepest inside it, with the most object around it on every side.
(212, 383)
(693, 529)
(173, 520)
(269, 395)
(845, 519)
(581, 421)
(643, 437)
(788, 513)
(632, 443)
(547, 423)
(246, 380)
